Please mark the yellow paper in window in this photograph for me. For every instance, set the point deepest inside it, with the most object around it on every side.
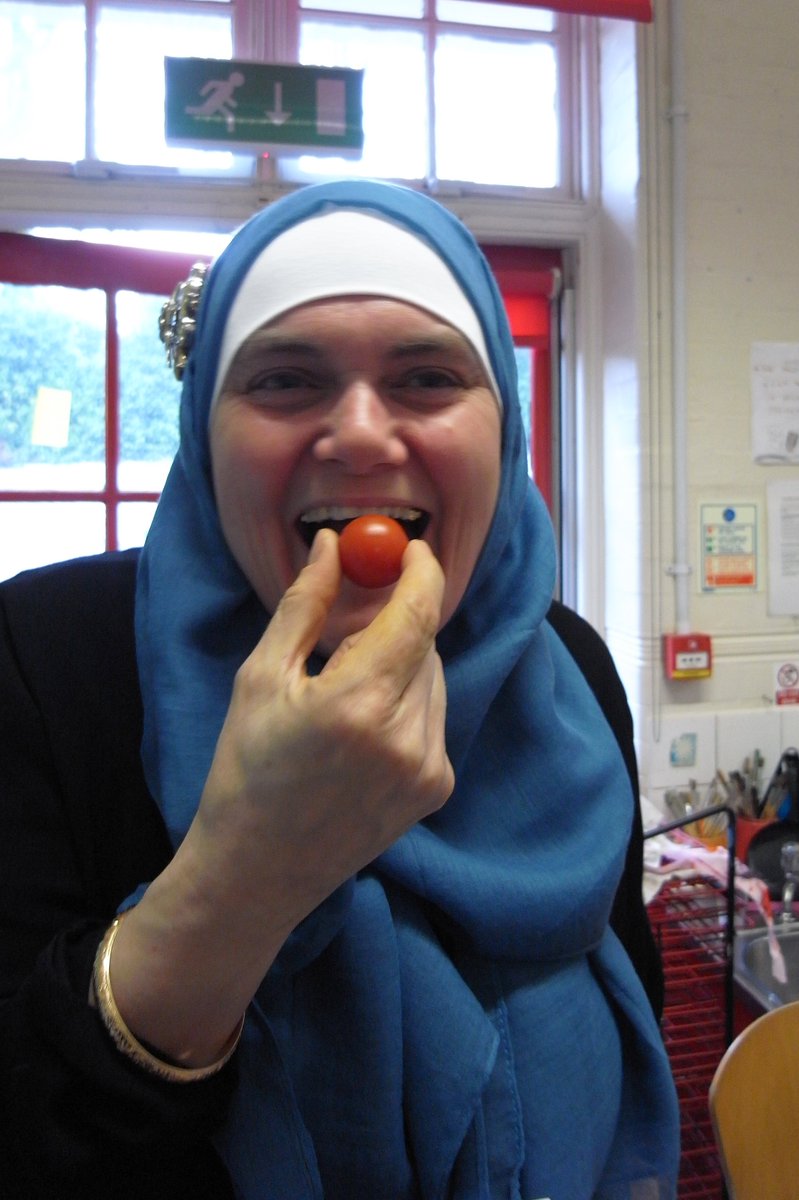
(51, 410)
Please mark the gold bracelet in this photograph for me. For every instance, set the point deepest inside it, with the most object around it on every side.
(122, 1037)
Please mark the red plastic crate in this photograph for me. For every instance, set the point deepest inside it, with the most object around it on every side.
(690, 920)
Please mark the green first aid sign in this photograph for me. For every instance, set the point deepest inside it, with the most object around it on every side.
(225, 102)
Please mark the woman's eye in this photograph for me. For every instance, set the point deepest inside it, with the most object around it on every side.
(430, 377)
(279, 381)
(428, 388)
(283, 389)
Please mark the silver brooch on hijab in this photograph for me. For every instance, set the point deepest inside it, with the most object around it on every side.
(178, 320)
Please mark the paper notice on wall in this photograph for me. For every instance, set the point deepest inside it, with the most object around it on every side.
(783, 547)
(51, 409)
(774, 370)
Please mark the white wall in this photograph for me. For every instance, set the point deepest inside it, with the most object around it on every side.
(741, 285)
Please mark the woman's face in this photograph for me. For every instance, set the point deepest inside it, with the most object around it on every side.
(347, 406)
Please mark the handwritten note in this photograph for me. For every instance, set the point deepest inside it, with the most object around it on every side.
(775, 402)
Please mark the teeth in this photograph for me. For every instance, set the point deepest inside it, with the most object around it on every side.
(341, 512)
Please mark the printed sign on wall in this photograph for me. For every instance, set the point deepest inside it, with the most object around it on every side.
(729, 546)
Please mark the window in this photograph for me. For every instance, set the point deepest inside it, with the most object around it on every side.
(83, 83)
(457, 93)
(88, 408)
(530, 282)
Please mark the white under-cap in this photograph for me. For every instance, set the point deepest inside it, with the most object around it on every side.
(346, 253)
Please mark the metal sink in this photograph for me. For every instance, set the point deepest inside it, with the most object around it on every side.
(752, 965)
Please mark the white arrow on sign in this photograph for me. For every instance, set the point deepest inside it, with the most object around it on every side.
(277, 114)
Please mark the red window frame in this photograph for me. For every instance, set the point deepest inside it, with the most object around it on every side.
(631, 10)
(25, 259)
(529, 280)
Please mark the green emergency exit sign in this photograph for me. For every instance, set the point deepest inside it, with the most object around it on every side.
(224, 102)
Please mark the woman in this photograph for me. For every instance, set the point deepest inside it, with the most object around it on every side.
(397, 819)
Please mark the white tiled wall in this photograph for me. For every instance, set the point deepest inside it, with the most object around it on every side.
(694, 744)
(789, 725)
(686, 750)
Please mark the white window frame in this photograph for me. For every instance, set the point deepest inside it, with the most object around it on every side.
(564, 34)
(269, 32)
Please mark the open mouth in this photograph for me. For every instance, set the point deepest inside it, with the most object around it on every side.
(413, 520)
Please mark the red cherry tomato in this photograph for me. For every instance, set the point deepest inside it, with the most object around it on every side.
(371, 549)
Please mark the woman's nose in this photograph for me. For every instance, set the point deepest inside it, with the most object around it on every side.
(361, 433)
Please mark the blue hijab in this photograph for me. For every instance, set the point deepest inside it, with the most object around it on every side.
(458, 1021)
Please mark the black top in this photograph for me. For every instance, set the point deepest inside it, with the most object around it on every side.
(80, 833)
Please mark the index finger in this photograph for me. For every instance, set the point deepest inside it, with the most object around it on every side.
(299, 618)
(400, 637)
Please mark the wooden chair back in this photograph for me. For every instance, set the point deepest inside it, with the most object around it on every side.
(754, 1108)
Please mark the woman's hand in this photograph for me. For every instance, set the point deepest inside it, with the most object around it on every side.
(313, 777)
